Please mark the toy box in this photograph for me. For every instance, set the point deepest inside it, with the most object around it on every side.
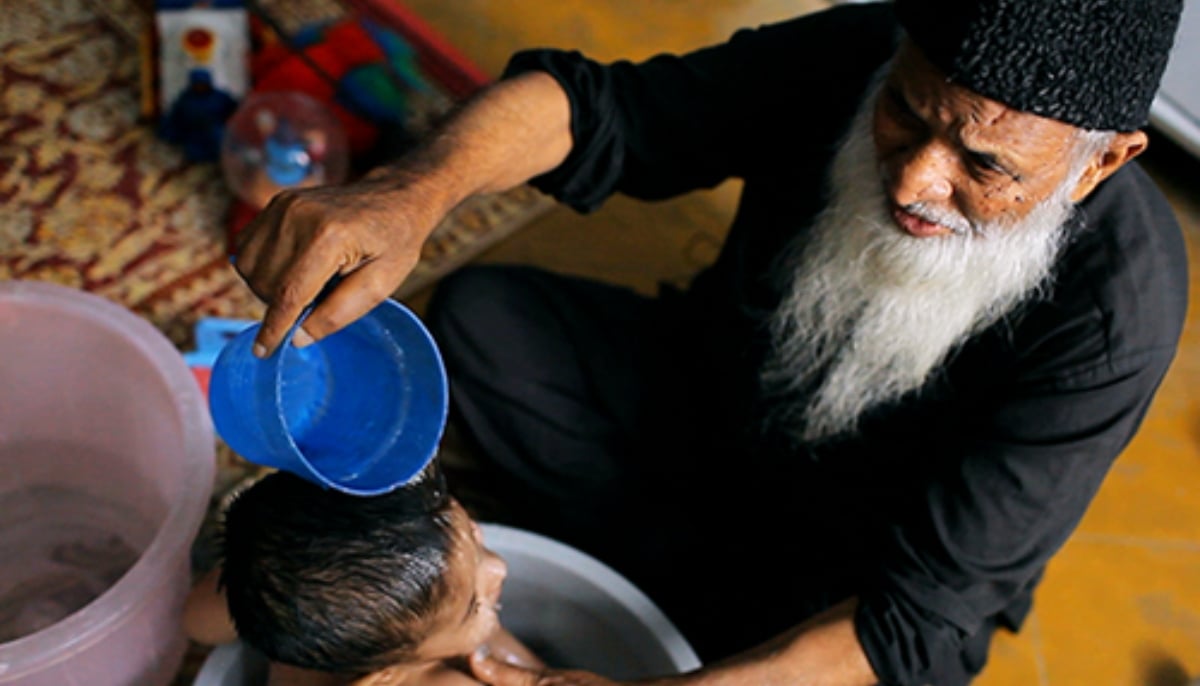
(194, 35)
(201, 67)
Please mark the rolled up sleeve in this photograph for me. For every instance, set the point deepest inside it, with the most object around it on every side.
(676, 123)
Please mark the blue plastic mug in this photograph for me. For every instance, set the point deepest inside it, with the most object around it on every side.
(361, 411)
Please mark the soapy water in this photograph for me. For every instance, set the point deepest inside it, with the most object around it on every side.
(60, 549)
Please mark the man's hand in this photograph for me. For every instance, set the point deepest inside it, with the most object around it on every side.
(369, 232)
(822, 651)
(491, 671)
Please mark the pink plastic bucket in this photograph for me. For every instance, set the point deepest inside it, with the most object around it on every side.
(107, 461)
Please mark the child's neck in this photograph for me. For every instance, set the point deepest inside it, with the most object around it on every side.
(427, 674)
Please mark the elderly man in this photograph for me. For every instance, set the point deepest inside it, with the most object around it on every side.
(845, 454)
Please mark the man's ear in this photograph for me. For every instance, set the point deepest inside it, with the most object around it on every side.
(1124, 147)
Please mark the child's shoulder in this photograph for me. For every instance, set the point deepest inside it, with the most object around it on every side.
(205, 614)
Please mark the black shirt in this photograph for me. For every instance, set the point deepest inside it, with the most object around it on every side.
(955, 498)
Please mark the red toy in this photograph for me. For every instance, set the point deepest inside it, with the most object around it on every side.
(345, 46)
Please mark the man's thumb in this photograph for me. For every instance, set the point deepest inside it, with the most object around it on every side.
(491, 671)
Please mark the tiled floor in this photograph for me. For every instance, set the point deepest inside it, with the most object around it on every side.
(1120, 605)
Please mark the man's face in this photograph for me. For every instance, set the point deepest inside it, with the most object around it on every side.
(967, 222)
(474, 577)
(953, 160)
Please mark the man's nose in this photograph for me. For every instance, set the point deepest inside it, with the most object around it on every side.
(924, 175)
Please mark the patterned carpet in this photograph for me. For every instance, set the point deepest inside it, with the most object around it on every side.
(93, 200)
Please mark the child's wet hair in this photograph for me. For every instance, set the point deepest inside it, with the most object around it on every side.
(323, 580)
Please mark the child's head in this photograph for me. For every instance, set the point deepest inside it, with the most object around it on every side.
(351, 585)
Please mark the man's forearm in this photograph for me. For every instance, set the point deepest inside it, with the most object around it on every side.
(513, 131)
(823, 651)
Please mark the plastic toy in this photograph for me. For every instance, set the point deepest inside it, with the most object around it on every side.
(196, 120)
(279, 140)
(211, 334)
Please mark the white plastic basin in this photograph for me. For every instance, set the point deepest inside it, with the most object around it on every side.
(572, 610)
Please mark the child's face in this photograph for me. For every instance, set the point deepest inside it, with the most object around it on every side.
(474, 577)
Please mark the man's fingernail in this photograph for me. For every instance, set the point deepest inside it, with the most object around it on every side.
(260, 350)
(482, 652)
(301, 338)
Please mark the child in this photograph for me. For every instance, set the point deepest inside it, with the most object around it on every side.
(340, 589)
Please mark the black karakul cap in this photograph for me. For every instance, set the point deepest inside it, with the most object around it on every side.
(1095, 64)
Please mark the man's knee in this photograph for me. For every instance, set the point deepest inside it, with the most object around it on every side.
(467, 304)
(461, 299)
(491, 318)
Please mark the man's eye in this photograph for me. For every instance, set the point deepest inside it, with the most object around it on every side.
(901, 112)
(984, 161)
(985, 164)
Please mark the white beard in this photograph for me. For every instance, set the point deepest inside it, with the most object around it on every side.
(868, 312)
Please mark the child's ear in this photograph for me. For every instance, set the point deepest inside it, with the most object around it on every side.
(388, 676)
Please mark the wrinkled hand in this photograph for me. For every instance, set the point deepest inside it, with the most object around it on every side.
(491, 671)
(370, 232)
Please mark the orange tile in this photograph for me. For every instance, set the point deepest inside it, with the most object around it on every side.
(1118, 614)
(489, 32)
(1015, 659)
